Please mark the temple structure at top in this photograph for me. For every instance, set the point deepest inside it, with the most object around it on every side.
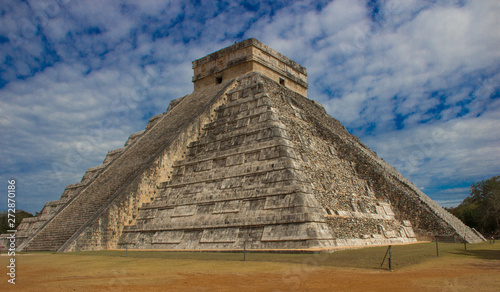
(249, 56)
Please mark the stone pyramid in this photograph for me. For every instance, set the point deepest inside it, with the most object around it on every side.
(246, 158)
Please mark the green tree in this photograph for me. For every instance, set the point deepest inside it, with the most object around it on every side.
(481, 209)
(4, 219)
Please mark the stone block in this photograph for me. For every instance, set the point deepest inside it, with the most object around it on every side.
(162, 237)
(183, 211)
(227, 207)
(219, 235)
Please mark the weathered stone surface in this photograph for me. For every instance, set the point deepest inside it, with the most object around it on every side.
(245, 158)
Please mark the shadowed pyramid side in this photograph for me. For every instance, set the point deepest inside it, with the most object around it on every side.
(366, 198)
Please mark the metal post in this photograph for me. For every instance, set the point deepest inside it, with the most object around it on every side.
(465, 242)
(126, 251)
(390, 258)
(385, 256)
(244, 250)
(437, 247)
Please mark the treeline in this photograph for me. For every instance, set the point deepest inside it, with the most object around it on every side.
(4, 219)
(481, 209)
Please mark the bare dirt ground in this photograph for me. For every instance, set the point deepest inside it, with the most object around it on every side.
(477, 269)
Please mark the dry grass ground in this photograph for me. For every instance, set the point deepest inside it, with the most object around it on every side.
(416, 268)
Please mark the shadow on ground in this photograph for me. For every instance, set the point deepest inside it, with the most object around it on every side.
(480, 254)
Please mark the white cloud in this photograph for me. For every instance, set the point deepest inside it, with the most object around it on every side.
(447, 153)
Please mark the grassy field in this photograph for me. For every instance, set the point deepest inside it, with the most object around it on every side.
(415, 268)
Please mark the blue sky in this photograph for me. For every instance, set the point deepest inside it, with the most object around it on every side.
(417, 81)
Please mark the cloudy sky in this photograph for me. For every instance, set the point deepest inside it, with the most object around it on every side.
(418, 81)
